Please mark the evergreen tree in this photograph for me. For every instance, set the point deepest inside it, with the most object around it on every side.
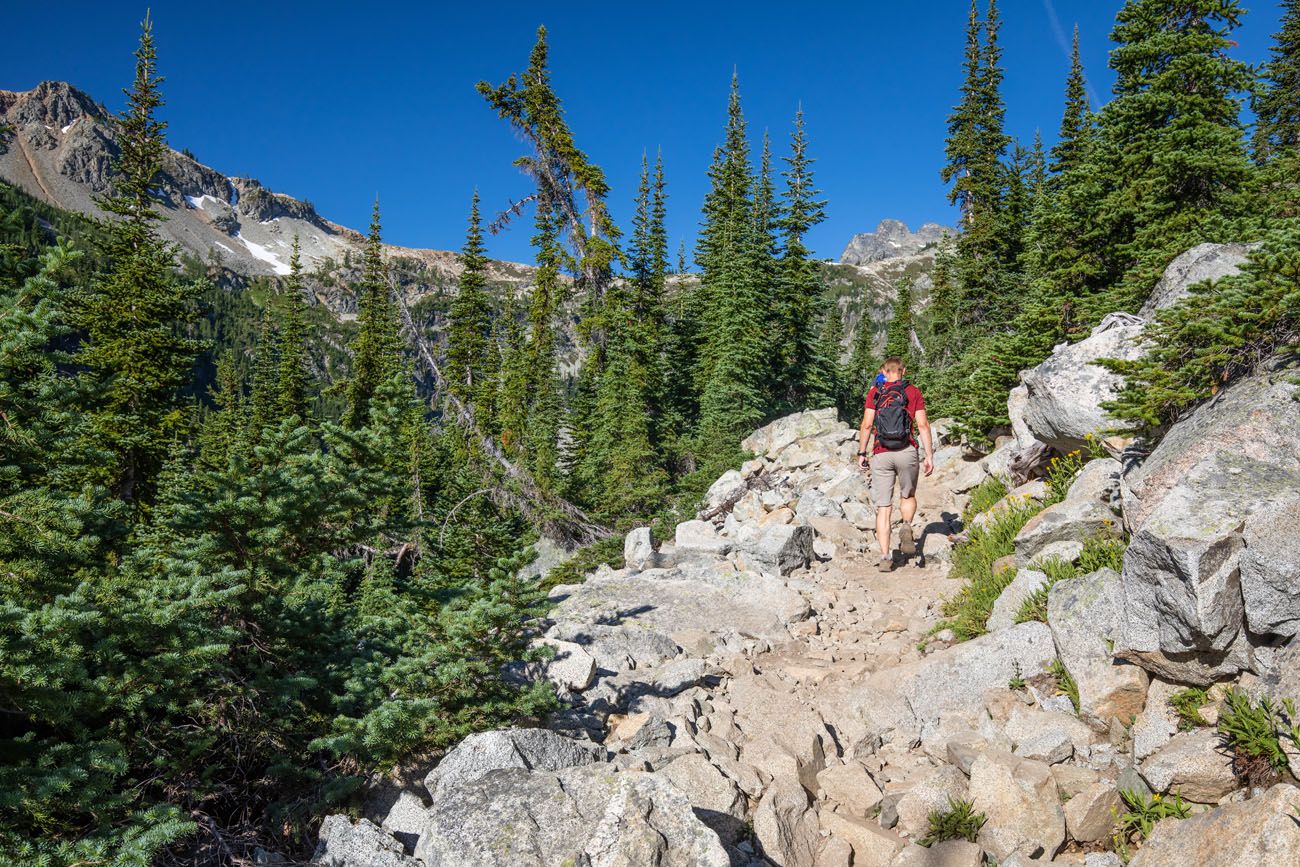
(732, 365)
(898, 336)
(293, 376)
(806, 372)
(1276, 140)
(264, 399)
(377, 348)
(1071, 147)
(472, 359)
(135, 350)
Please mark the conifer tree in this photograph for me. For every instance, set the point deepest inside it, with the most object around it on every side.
(377, 348)
(898, 336)
(732, 366)
(263, 399)
(1171, 142)
(1071, 147)
(1276, 140)
(292, 380)
(806, 374)
(135, 349)
(472, 359)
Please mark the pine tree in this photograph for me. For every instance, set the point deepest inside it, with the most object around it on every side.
(263, 400)
(1072, 143)
(293, 376)
(1276, 140)
(898, 336)
(472, 359)
(963, 143)
(135, 349)
(377, 348)
(1170, 148)
(732, 366)
(806, 373)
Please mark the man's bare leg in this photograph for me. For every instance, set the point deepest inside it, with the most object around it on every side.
(884, 515)
(906, 541)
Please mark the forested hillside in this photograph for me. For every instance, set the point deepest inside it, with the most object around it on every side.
(253, 558)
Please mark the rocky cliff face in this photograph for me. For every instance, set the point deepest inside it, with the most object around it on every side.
(891, 239)
(60, 147)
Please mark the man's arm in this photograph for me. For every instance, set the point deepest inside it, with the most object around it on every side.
(923, 427)
(865, 435)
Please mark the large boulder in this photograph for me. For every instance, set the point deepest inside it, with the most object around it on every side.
(1200, 263)
(911, 701)
(715, 798)
(1085, 512)
(1019, 798)
(770, 439)
(649, 822)
(1083, 614)
(1261, 831)
(785, 824)
(704, 602)
(779, 549)
(1025, 584)
(1064, 394)
(1193, 764)
(1270, 569)
(343, 843)
(484, 752)
(1187, 505)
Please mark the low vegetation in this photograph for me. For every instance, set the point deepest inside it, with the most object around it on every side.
(1187, 703)
(967, 612)
(1254, 730)
(984, 497)
(1143, 812)
(1099, 552)
(1065, 683)
(958, 822)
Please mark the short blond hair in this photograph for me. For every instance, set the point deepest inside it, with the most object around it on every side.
(893, 364)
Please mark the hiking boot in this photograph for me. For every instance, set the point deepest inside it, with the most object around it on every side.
(886, 563)
(905, 543)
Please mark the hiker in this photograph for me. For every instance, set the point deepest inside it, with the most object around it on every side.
(891, 410)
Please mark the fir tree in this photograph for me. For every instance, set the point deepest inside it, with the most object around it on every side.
(731, 370)
(898, 336)
(263, 401)
(135, 348)
(805, 373)
(472, 359)
(292, 380)
(1276, 140)
(376, 349)
(1071, 147)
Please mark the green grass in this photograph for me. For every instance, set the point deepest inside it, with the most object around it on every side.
(958, 822)
(1187, 703)
(966, 613)
(1253, 729)
(1065, 684)
(984, 497)
(1143, 814)
(1098, 552)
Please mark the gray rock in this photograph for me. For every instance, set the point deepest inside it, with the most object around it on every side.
(405, 818)
(1019, 798)
(714, 796)
(823, 550)
(484, 752)
(779, 549)
(891, 239)
(913, 698)
(1260, 831)
(616, 647)
(727, 488)
(1098, 480)
(649, 822)
(1157, 723)
(1090, 815)
(1202, 262)
(1064, 394)
(1083, 614)
(1072, 520)
(1008, 603)
(850, 786)
(949, 853)
(772, 438)
(670, 678)
(1186, 505)
(639, 550)
(700, 540)
(872, 845)
(1068, 552)
(572, 669)
(344, 844)
(933, 793)
(1270, 569)
(786, 825)
(1194, 764)
(969, 477)
(1131, 781)
(1102, 859)
(1047, 736)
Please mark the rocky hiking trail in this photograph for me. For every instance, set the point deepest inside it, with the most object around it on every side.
(754, 691)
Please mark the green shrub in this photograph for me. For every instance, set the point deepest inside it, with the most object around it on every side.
(984, 497)
(1143, 814)
(967, 612)
(958, 822)
(1064, 469)
(1187, 703)
(1098, 552)
(1102, 552)
(1254, 731)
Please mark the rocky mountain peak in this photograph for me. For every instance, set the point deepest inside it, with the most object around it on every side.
(891, 238)
(50, 103)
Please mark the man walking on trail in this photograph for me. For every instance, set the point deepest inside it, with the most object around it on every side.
(893, 409)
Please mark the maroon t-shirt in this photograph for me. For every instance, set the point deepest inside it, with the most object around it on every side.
(915, 403)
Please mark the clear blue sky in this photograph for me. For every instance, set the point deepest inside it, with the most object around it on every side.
(335, 102)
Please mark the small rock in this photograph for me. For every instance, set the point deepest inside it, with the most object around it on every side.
(639, 550)
(949, 853)
(850, 786)
(572, 669)
(1192, 764)
(823, 550)
(345, 844)
(785, 824)
(1008, 603)
(1090, 815)
(871, 844)
(1018, 796)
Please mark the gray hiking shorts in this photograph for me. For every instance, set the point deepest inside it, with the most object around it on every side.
(903, 465)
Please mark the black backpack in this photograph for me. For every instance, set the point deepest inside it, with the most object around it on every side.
(893, 424)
